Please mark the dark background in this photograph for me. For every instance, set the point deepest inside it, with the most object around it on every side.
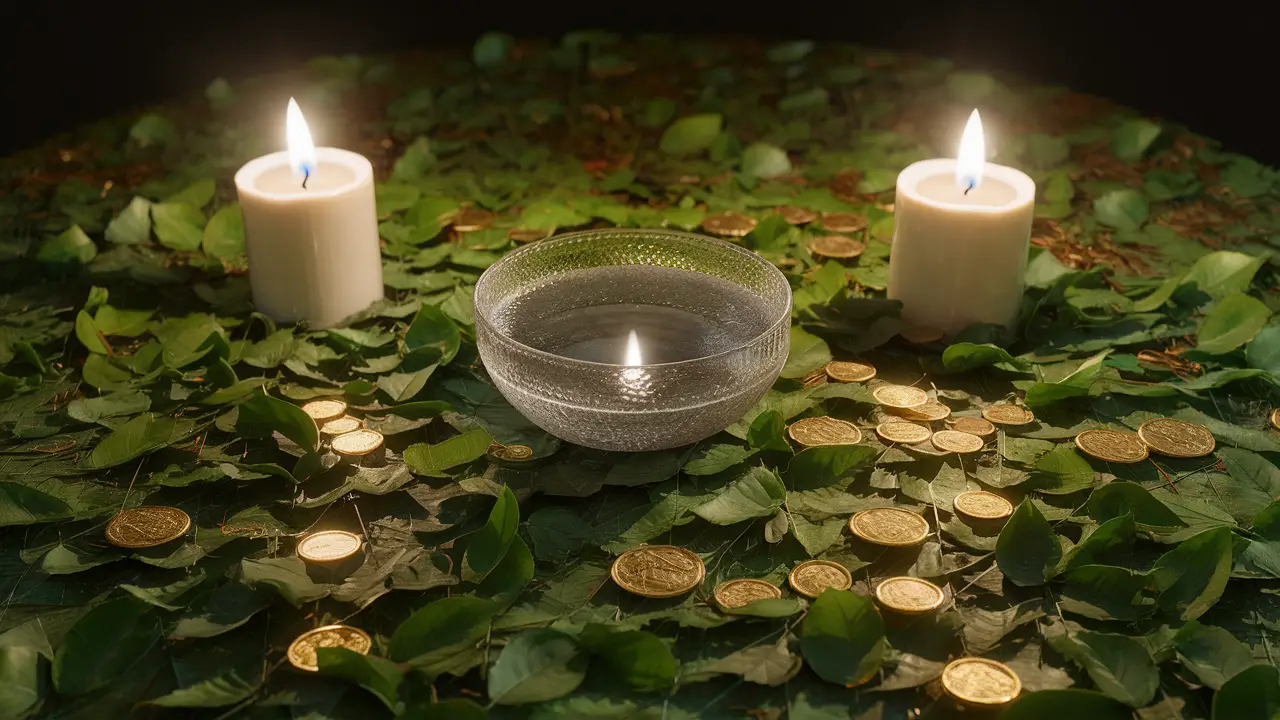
(1210, 66)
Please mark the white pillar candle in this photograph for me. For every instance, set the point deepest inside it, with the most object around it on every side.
(960, 237)
(314, 253)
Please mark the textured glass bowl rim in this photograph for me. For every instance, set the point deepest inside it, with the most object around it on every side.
(514, 256)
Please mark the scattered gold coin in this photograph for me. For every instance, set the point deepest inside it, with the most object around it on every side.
(931, 411)
(341, 426)
(811, 577)
(329, 546)
(972, 425)
(147, 526)
(900, 396)
(897, 431)
(836, 246)
(979, 681)
(323, 411)
(843, 222)
(889, 526)
(302, 651)
(921, 335)
(815, 431)
(1175, 438)
(511, 453)
(362, 447)
(1275, 418)
(909, 595)
(817, 377)
(1112, 445)
(658, 571)
(737, 593)
(845, 371)
(957, 442)
(728, 224)
(1008, 414)
(472, 219)
(797, 215)
(982, 505)
(528, 235)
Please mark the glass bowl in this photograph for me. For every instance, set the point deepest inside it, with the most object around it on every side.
(559, 323)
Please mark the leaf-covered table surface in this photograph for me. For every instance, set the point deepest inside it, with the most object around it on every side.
(133, 371)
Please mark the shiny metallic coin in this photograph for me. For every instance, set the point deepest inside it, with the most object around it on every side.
(838, 247)
(329, 546)
(921, 335)
(302, 651)
(1275, 418)
(728, 224)
(658, 571)
(931, 411)
(472, 219)
(910, 595)
(893, 527)
(972, 425)
(815, 431)
(844, 222)
(982, 505)
(978, 681)
(1007, 414)
(528, 235)
(360, 442)
(1177, 439)
(793, 215)
(957, 442)
(511, 453)
(322, 411)
(147, 526)
(811, 577)
(341, 426)
(900, 396)
(1112, 445)
(898, 431)
(845, 371)
(743, 591)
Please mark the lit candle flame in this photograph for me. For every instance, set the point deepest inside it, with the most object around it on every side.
(972, 155)
(633, 351)
(302, 151)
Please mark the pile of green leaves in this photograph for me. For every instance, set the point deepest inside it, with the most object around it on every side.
(133, 371)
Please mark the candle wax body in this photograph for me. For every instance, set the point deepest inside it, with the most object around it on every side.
(959, 259)
(314, 253)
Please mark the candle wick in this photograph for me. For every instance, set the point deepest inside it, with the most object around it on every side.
(306, 175)
(966, 190)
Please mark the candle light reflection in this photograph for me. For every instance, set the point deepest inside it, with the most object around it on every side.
(635, 380)
(302, 150)
(972, 155)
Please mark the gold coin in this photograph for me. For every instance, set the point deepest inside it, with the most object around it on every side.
(511, 453)
(957, 442)
(815, 431)
(147, 526)
(931, 411)
(1007, 414)
(737, 593)
(1275, 418)
(360, 442)
(472, 219)
(342, 426)
(323, 411)
(302, 651)
(817, 377)
(979, 681)
(728, 224)
(1112, 445)
(843, 222)
(658, 571)
(896, 431)
(972, 425)
(329, 546)
(889, 526)
(1175, 438)
(811, 577)
(899, 396)
(528, 235)
(982, 505)
(844, 371)
(836, 246)
(793, 215)
(910, 595)
(921, 335)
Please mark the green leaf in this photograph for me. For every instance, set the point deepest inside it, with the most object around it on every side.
(1231, 323)
(286, 575)
(262, 415)
(487, 545)
(1027, 550)
(178, 225)
(537, 665)
(758, 493)
(440, 629)
(1068, 704)
(133, 225)
(1253, 694)
(1120, 666)
(1212, 653)
(116, 404)
(808, 353)
(103, 644)
(763, 160)
(639, 659)
(1130, 141)
(22, 505)
(146, 433)
(153, 129)
(827, 464)
(1103, 592)
(271, 351)
(1125, 498)
(492, 49)
(72, 246)
(224, 235)
(789, 52)
(416, 162)
(817, 537)
(456, 709)
(377, 675)
(769, 432)
(87, 334)
(1192, 576)
(713, 459)
(1111, 537)
(1124, 210)
(811, 99)
(1062, 471)
(214, 692)
(1217, 274)
(435, 460)
(842, 637)
(967, 356)
(691, 134)
(197, 194)
(129, 323)
(22, 680)
(431, 328)
(1264, 352)
(220, 95)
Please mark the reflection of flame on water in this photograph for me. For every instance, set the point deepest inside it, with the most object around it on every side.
(635, 380)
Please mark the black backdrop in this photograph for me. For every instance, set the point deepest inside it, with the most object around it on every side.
(1211, 66)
